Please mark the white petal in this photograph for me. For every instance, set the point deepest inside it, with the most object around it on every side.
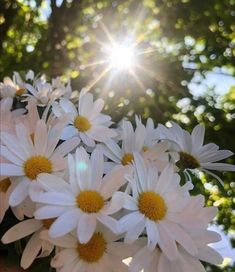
(153, 234)
(139, 137)
(114, 148)
(165, 179)
(141, 172)
(198, 134)
(21, 230)
(130, 220)
(215, 156)
(134, 232)
(181, 236)
(7, 154)
(55, 198)
(19, 193)
(31, 251)
(69, 132)
(166, 243)
(10, 170)
(66, 241)
(64, 224)
(67, 146)
(218, 166)
(53, 183)
(97, 166)
(113, 181)
(49, 212)
(68, 106)
(40, 137)
(86, 227)
(109, 222)
(83, 169)
(87, 140)
(63, 257)
(209, 255)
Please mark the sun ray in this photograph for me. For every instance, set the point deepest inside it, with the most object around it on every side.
(95, 63)
(97, 79)
(138, 81)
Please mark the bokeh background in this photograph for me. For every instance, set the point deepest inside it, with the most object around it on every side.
(183, 68)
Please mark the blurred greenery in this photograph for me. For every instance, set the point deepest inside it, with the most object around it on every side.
(179, 38)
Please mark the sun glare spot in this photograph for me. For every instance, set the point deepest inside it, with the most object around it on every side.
(121, 57)
(81, 166)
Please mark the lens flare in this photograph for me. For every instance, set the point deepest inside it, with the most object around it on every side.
(121, 57)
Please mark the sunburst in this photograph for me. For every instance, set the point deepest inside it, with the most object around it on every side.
(119, 57)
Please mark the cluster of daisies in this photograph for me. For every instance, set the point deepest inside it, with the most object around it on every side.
(96, 197)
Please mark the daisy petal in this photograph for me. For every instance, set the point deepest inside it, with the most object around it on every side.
(153, 234)
(109, 222)
(40, 137)
(19, 193)
(166, 243)
(49, 212)
(31, 250)
(11, 170)
(86, 227)
(21, 230)
(64, 224)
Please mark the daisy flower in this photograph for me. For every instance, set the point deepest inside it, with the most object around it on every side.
(134, 141)
(12, 87)
(194, 219)
(87, 122)
(154, 201)
(43, 92)
(152, 261)
(151, 135)
(29, 156)
(193, 154)
(81, 202)
(36, 247)
(103, 252)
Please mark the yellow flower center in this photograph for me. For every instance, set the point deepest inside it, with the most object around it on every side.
(82, 123)
(152, 205)
(4, 185)
(188, 161)
(127, 158)
(48, 222)
(93, 250)
(20, 91)
(90, 201)
(37, 165)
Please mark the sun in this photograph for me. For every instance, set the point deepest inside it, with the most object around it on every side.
(121, 57)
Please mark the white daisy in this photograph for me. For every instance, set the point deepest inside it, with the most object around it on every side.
(103, 252)
(154, 201)
(36, 247)
(30, 156)
(12, 87)
(152, 261)
(151, 135)
(134, 141)
(193, 154)
(79, 203)
(194, 219)
(43, 92)
(87, 122)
